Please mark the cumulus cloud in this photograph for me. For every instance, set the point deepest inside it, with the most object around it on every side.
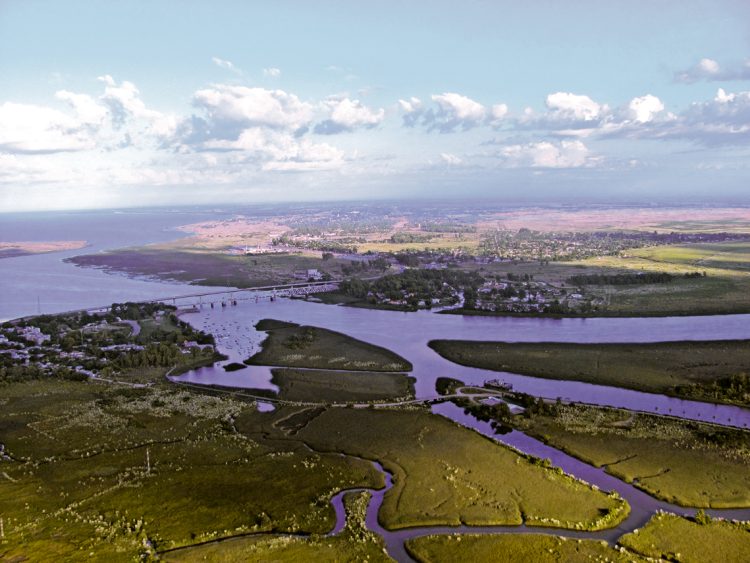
(348, 115)
(411, 111)
(88, 110)
(710, 70)
(645, 108)
(573, 107)
(451, 112)
(455, 111)
(272, 72)
(545, 154)
(26, 128)
(723, 120)
(237, 107)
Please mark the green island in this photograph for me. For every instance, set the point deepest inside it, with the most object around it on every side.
(291, 345)
(666, 537)
(682, 462)
(340, 387)
(715, 371)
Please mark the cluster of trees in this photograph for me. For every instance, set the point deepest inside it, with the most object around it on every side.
(137, 311)
(399, 238)
(162, 354)
(629, 279)
(518, 277)
(448, 228)
(355, 266)
(10, 373)
(301, 339)
(734, 388)
(322, 245)
(415, 285)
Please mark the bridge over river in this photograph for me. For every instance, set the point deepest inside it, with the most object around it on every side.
(225, 297)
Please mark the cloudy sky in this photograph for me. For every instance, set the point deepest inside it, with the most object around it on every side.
(137, 103)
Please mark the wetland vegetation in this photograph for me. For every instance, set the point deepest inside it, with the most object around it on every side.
(682, 462)
(291, 345)
(714, 371)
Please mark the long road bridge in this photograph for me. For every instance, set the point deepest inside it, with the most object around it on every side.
(225, 297)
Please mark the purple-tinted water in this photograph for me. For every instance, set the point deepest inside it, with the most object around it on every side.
(407, 334)
(45, 283)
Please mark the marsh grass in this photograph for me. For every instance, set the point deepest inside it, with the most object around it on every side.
(445, 474)
(686, 463)
(319, 348)
(693, 369)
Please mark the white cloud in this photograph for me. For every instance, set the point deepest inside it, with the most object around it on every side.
(499, 111)
(723, 120)
(456, 111)
(573, 107)
(544, 154)
(452, 111)
(225, 64)
(272, 72)
(238, 107)
(645, 108)
(412, 110)
(711, 70)
(348, 115)
(450, 159)
(26, 128)
(87, 109)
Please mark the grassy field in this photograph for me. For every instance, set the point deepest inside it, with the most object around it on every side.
(512, 548)
(312, 347)
(669, 537)
(445, 474)
(341, 387)
(681, 462)
(354, 543)
(98, 469)
(697, 370)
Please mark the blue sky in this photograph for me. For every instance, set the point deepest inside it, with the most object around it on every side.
(133, 103)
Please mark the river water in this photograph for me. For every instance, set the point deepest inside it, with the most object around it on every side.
(407, 334)
(44, 283)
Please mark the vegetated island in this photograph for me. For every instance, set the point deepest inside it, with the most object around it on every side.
(714, 371)
(292, 345)
(25, 248)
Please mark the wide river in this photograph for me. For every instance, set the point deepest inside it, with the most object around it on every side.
(407, 334)
(45, 283)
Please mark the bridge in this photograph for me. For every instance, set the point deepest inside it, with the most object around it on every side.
(222, 298)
